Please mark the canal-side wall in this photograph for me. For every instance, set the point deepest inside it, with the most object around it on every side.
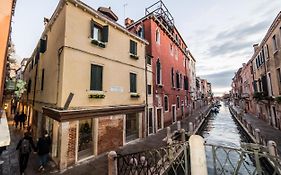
(243, 124)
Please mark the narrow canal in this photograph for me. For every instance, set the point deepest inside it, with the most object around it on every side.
(222, 129)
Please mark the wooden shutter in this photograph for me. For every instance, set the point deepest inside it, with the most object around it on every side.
(172, 77)
(264, 85)
(158, 71)
(42, 79)
(133, 82)
(92, 24)
(131, 47)
(104, 37)
(37, 56)
(43, 45)
(96, 78)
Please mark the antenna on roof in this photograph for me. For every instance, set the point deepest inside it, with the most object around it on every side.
(124, 6)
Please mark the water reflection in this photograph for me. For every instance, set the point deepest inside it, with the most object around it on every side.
(222, 130)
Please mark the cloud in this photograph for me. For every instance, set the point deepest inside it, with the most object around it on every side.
(244, 30)
(220, 79)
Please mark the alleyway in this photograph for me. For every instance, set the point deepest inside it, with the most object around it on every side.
(10, 156)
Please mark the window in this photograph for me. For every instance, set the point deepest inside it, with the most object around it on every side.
(186, 101)
(266, 54)
(148, 59)
(279, 79)
(177, 80)
(99, 32)
(172, 77)
(171, 49)
(178, 102)
(133, 83)
(158, 73)
(140, 32)
(149, 89)
(96, 77)
(274, 43)
(42, 79)
(29, 86)
(180, 85)
(166, 103)
(43, 44)
(185, 83)
(157, 36)
(133, 47)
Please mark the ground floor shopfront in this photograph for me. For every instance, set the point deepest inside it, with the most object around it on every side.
(82, 134)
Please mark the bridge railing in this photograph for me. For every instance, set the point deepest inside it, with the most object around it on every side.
(251, 159)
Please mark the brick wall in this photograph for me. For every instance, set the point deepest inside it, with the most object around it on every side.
(71, 143)
(110, 133)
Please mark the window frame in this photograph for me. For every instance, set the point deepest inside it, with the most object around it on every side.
(157, 36)
(133, 50)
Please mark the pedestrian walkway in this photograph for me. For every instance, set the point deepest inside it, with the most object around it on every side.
(266, 130)
(10, 155)
(98, 166)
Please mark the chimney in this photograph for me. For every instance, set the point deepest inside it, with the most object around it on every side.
(128, 21)
(256, 46)
(46, 21)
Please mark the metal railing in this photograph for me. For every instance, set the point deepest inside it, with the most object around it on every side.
(172, 159)
(251, 159)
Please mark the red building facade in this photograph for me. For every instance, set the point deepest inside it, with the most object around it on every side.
(167, 54)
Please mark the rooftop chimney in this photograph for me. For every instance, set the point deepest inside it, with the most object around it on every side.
(128, 21)
(108, 12)
(256, 46)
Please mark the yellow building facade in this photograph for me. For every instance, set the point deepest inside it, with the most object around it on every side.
(87, 84)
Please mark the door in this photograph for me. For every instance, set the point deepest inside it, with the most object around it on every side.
(132, 126)
(159, 118)
(149, 120)
(85, 139)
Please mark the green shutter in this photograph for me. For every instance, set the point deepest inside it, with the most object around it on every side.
(133, 82)
(104, 37)
(42, 79)
(92, 28)
(96, 78)
(136, 48)
(131, 47)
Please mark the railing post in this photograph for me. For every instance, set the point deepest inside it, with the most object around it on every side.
(257, 135)
(272, 148)
(178, 126)
(182, 131)
(169, 134)
(197, 155)
(112, 163)
(1, 166)
(190, 128)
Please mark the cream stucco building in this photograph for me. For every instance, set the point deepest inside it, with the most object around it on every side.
(87, 82)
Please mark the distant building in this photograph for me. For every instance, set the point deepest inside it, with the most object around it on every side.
(86, 83)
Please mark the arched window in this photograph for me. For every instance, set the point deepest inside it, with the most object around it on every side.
(158, 73)
(157, 36)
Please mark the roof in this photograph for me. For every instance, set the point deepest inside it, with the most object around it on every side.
(108, 12)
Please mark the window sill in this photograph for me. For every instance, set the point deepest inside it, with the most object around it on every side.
(160, 85)
(134, 56)
(98, 43)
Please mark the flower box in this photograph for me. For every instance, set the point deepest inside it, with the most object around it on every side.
(98, 43)
(135, 95)
(96, 96)
(134, 56)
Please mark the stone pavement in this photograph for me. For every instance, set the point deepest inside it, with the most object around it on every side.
(266, 130)
(10, 155)
(98, 166)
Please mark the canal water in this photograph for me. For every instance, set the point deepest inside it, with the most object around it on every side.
(221, 129)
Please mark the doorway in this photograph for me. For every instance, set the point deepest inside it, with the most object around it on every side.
(159, 118)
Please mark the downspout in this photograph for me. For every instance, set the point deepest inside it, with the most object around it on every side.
(146, 99)
(58, 75)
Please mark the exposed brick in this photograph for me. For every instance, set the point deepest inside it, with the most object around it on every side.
(71, 144)
(110, 133)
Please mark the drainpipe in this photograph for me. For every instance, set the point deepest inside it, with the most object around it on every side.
(146, 99)
(58, 76)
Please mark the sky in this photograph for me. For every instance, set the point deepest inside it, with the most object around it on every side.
(219, 33)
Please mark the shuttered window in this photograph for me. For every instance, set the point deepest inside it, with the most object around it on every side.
(166, 103)
(42, 79)
(172, 77)
(96, 77)
(99, 32)
(158, 72)
(133, 47)
(177, 80)
(149, 90)
(185, 83)
(133, 82)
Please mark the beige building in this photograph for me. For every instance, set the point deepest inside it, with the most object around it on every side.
(267, 75)
(87, 83)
